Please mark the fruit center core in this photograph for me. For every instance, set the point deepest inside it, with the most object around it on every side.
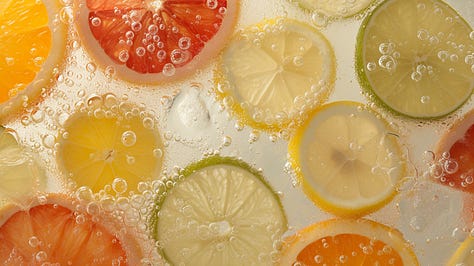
(222, 228)
(154, 5)
(109, 155)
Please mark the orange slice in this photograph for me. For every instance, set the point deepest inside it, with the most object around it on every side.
(350, 242)
(455, 164)
(30, 30)
(55, 232)
(154, 41)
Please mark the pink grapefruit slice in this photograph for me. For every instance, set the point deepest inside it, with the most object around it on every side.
(455, 155)
(54, 232)
(153, 41)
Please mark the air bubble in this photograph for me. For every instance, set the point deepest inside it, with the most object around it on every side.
(184, 43)
(41, 256)
(371, 66)
(136, 26)
(169, 69)
(318, 259)
(211, 4)
(158, 153)
(119, 185)
(96, 22)
(123, 56)
(140, 51)
(319, 19)
(471, 35)
(129, 138)
(450, 166)
(179, 56)
(33, 242)
(425, 99)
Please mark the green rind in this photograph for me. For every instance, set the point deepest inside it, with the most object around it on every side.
(196, 166)
(364, 82)
(335, 18)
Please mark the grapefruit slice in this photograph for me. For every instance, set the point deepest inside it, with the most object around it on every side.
(118, 148)
(221, 213)
(55, 232)
(30, 30)
(272, 73)
(347, 242)
(347, 158)
(408, 58)
(455, 155)
(152, 41)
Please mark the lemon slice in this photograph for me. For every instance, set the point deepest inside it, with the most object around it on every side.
(221, 213)
(415, 57)
(463, 255)
(350, 242)
(98, 150)
(273, 72)
(336, 8)
(347, 159)
(20, 175)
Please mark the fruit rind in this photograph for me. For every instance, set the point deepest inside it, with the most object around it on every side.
(295, 160)
(373, 230)
(197, 166)
(242, 115)
(203, 59)
(367, 88)
(46, 77)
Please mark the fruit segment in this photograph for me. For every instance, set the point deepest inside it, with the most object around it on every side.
(221, 213)
(349, 242)
(347, 159)
(271, 73)
(415, 57)
(454, 165)
(164, 38)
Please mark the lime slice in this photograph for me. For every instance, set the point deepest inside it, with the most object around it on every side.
(221, 213)
(273, 72)
(347, 159)
(336, 8)
(110, 148)
(20, 175)
(415, 57)
(463, 255)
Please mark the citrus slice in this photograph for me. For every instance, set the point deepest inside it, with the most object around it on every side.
(30, 31)
(336, 8)
(463, 255)
(98, 149)
(455, 158)
(20, 175)
(351, 242)
(414, 57)
(55, 232)
(221, 213)
(347, 158)
(273, 72)
(150, 41)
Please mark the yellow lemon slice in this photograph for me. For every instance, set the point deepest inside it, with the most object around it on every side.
(350, 242)
(110, 148)
(464, 255)
(222, 212)
(347, 158)
(32, 44)
(415, 57)
(273, 72)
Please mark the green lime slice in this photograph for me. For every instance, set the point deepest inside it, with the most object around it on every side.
(221, 212)
(415, 57)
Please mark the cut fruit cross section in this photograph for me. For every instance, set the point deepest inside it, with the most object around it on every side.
(271, 73)
(152, 41)
(347, 158)
(415, 57)
(221, 213)
(336, 8)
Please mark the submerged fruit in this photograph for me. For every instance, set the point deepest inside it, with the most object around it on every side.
(336, 8)
(347, 158)
(351, 242)
(150, 41)
(30, 31)
(273, 72)
(221, 212)
(415, 57)
(455, 155)
(55, 232)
